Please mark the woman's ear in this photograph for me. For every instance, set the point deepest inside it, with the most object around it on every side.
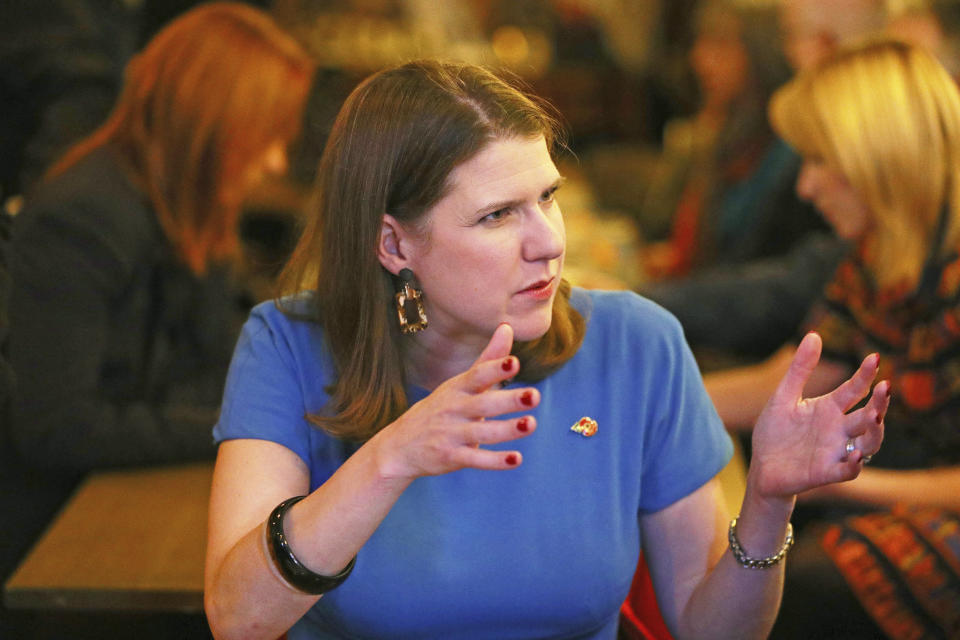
(393, 241)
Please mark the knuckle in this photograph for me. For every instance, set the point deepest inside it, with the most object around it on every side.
(474, 374)
(476, 432)
(449, 458)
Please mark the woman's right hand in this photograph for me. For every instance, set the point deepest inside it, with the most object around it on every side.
(444, 431)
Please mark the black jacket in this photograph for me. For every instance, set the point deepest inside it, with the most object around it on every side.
(119, 351)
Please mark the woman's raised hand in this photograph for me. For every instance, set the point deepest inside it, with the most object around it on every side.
(802, 443)
(444, 431)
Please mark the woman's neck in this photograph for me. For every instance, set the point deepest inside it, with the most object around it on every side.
(430, 358)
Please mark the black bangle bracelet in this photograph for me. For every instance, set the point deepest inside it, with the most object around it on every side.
(292, 570)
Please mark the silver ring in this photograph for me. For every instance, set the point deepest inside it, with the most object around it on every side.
(866, 459)
(850, 448)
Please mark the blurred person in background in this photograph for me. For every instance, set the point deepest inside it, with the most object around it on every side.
(747, 311)
(725, 182)
(124, 310)
(934, 24)
(813, 30)
(61, 67)
(879, 130)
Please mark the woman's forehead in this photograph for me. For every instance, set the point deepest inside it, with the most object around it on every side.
(505, 164)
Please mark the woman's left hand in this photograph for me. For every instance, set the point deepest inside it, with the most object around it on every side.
(803, 443)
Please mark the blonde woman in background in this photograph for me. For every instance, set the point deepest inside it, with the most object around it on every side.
(879, 129)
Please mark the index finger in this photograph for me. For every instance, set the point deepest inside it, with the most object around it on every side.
(501, 342)
(495, 364)
(804, 362)
(856, 387)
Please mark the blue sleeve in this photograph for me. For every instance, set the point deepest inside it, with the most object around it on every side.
(684, 441)
(264, 396)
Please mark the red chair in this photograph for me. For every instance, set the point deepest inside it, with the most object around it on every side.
(640, 617)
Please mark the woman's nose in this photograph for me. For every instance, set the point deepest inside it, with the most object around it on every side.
(807, 181)
(545, 235)
(277, 162)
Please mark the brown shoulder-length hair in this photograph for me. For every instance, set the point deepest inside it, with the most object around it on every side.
(201, 103)
(392, 148)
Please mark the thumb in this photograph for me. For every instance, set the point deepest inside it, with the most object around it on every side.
(804, 362)
(500, 344)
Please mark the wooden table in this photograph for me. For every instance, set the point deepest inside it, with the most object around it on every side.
(126, 541)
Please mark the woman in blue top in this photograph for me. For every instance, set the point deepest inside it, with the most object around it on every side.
(486, 449)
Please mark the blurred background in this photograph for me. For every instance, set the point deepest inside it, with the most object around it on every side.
(618, 71)
(673, 170)
(643, 86)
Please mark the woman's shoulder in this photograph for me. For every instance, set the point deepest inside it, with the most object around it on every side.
(92, 202)
(606, 309)
(289, 320)
(624, 329)
(97, 181)
(287, 310)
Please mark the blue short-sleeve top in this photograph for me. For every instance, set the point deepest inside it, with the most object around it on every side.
(546, 550)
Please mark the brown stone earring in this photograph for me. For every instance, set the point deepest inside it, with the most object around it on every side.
(410, 295)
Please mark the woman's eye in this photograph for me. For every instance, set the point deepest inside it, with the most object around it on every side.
(548, 195)
(495, 216)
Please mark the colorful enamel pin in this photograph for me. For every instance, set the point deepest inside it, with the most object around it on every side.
(585, 426)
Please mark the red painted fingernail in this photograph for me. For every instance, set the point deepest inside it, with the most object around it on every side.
(527, 399)
(507, 364)
(523, 425)
(887, 392)
(511, 459)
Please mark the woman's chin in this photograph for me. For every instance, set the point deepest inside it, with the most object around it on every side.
(531, 330)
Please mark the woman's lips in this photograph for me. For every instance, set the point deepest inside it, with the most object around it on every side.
(540, 290)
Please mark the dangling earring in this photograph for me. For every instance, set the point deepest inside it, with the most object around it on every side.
(411, 293)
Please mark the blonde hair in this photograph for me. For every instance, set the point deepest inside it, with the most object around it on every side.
(886, 115)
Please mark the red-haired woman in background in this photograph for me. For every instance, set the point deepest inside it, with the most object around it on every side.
(123, 313)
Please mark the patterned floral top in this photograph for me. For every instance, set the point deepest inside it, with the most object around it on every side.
(917, 334)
